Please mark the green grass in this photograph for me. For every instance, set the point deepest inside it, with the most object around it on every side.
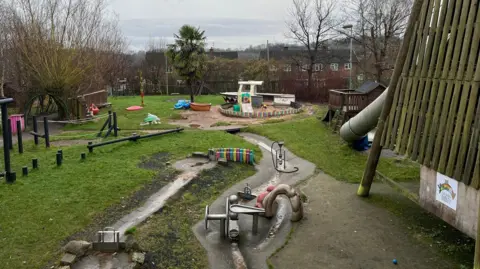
(52, 203)
(220, 123)
(161, 106)
(169, 236)
(313, 141)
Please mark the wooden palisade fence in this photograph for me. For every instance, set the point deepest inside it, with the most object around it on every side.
(435, 117)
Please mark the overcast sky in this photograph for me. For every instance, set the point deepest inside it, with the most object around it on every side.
(227, 23)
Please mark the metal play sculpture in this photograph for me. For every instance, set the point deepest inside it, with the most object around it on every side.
(268, 201)
(279, 158)
(229, 220)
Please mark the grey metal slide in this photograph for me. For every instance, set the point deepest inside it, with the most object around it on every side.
(365, 121)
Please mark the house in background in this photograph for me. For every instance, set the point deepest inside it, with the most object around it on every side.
(329, 63)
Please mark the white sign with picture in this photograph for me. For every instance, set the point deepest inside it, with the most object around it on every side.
(446, 191)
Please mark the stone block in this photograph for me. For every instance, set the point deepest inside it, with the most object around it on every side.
(200, 154)
(68, 259)
(222, 161)
(77, 247)
(138, 257)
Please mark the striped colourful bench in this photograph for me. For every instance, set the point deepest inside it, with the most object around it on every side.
(233, 154)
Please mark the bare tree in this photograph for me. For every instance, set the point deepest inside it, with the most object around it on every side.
(155, 63)
(379, 27)
(62, 46)
(311, 24)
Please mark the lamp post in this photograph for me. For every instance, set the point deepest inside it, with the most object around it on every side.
(166, 69)
(349, 26)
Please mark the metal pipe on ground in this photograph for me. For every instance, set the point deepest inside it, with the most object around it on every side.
(134, 137)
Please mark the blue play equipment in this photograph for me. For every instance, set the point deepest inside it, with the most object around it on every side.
(182, 104)
(361, 144)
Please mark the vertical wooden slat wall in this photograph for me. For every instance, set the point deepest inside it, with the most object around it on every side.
(435, 117)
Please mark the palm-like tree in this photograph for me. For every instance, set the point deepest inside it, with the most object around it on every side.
(187, 55)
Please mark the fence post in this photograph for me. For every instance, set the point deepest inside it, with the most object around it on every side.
(35, 129)
(9, 130)
(47, 135)
(19, 137)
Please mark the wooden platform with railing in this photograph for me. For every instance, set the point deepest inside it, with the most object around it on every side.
(347, 101)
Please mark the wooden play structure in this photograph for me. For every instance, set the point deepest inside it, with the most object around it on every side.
(257, 98)
(344, 104)
(431, 112)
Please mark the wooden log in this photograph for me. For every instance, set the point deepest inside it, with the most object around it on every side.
(421, 71)
(413, 81)
(473, 104)
(439, 85)
(452, 56)
(433, 72)
(457, 71)
(418, 131)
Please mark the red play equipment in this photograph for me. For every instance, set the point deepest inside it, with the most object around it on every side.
(93, 109)
(133, 108)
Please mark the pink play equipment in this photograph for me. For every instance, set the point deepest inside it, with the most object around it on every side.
(262, 195)
(13, 124)
(134, 108)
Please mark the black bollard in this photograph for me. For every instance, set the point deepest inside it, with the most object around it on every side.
(61, 153)
(110, 119)
(83, 156)
(90, 149)
(25, 171)
(5, 134)
(35, 130)
(59, 159)
(19, 137)
(35, 163)
(13, 177)
(115, 124)
(9, 130)
(47, 135)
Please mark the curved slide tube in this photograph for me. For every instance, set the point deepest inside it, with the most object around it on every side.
(365, 121)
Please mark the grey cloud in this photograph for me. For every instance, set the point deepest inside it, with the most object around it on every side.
(139, 31)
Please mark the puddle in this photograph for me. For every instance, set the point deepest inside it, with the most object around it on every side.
(191, 167)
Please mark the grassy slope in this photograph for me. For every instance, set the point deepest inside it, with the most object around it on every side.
(162, 106)
(313, 141)
(39, 211)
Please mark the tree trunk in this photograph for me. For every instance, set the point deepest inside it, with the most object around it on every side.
(310, 80)
(190, 85)
(2, 76)
(2, 81)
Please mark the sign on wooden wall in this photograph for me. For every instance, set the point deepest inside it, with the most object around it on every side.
(447, 191)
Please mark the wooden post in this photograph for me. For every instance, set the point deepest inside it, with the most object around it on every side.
(374, 156)
(35, 130)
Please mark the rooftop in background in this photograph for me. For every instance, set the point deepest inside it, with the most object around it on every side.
(369, 86)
